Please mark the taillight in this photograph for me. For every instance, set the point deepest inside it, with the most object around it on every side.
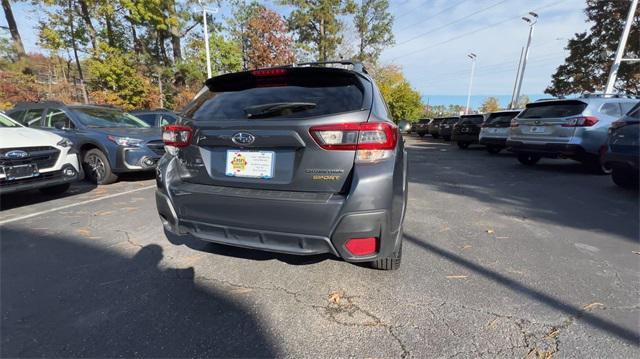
(582, 121)
(373, 141)
(514, 123)
(176, 135)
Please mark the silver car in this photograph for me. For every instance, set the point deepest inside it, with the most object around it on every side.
(495, 130)
(566, 128)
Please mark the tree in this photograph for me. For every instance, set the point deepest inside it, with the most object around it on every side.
(523, 100)
(268, 43)
(404, 102)
(13, 28)
(586, 69)
(491, 104)
(374, 24)
(316, 23)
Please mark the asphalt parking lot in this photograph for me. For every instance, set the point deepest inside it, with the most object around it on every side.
(500, 260)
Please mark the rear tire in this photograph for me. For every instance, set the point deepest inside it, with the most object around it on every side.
(97, 167)
(463, 145)
(528, 159)
(493, 149)
(597, 166)
(625, 177)
(389, 263)
(56, 190)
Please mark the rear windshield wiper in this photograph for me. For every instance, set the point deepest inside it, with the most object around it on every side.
(277, 108)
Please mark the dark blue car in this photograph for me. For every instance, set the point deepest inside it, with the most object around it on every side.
(623, 149)
(110, 141)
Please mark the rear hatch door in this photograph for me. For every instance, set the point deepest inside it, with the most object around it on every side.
(251, 130)
(469, 125)
(546, 121)
(497, 124)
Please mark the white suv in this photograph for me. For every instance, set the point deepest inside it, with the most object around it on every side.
(34, 159)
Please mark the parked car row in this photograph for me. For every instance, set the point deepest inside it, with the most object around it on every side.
(49, 144)
(588, 129)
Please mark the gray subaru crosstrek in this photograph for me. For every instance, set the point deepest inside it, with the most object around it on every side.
(569, 128)
(297, 159)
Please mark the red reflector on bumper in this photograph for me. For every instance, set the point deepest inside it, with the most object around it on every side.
(362, 246)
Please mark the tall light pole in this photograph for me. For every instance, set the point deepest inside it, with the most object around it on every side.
(613, 73)
(473, 57)
(532, 22)
(514, 101)
(206, 35)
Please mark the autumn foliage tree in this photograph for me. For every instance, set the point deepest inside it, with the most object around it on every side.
(268, 42)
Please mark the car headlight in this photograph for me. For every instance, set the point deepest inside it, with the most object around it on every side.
(126, 141)
(64, 142)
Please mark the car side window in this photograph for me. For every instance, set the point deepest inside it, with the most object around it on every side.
(32, 118)
(611, 109)
(149, 118)
(58, 119)
(167, 120)
(16, 115)
(627, 106)
(380, 105)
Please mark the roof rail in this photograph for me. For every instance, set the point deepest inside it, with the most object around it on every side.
(611, 95)
(48, 102)
(357, 65)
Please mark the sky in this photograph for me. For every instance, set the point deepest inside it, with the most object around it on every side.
(433, 38)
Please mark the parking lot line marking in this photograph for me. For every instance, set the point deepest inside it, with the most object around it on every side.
(73, 205)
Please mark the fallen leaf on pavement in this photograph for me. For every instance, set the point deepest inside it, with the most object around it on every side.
(636, 252)
(502, 237)
(335, 297)
(552, 334)
(241, 290)
(490, 231)
(466, 246)
(84, 232)
(593, 305)
(492, 324)
(456, 276)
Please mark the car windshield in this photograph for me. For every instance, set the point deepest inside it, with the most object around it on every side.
(103, 117)
(471, 120)
(501, 118)
(553, 109)
(5, 121)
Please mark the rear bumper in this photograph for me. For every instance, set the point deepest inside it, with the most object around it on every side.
(614, 158)
(464, 137)
(492, 141)
(300, 223)
(45, 179)
(546, 149)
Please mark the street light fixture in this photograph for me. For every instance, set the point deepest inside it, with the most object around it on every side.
(532, 19)
(473, 58)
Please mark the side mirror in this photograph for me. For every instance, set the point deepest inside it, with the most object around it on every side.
(60, 126)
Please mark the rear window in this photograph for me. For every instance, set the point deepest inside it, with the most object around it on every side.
(472, 120)
(453, 120)
(301, 93)
(424, 120)
(501, 118)
(553, 109)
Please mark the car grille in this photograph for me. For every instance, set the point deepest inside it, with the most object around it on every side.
(156, 146)
(44, 157)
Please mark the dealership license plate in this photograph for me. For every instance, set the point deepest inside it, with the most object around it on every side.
(21, 171)
(250, 164)
(536, 129)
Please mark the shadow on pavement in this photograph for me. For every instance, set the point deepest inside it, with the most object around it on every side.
(564, 193)
(531, 293)
(244, 253)
(64, 298)
(26, 198)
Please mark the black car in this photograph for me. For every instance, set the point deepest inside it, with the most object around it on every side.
(434, 127)
(467, 130)
(302, 159)
(157, 117)
(623, 149)
(422, 126)
(446, 127)
(110, 141)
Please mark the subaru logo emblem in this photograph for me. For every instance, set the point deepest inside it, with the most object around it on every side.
(537, 122)
(16, 154)
(243, 138)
